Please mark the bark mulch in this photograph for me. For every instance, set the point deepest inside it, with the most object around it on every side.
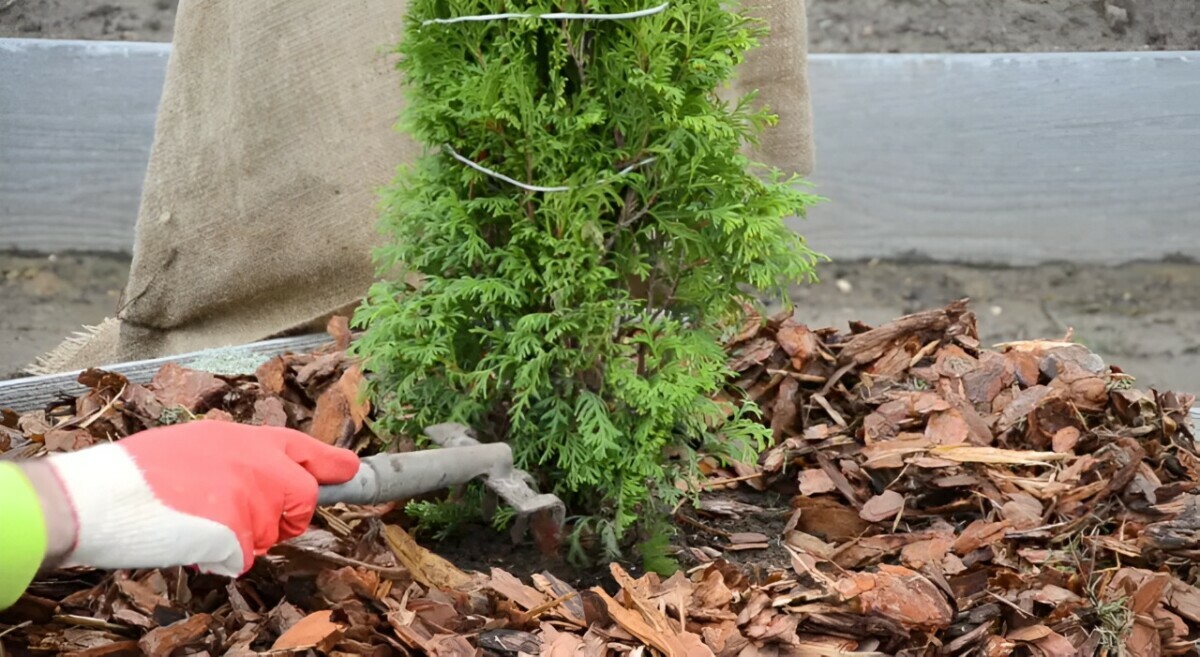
(943, 498)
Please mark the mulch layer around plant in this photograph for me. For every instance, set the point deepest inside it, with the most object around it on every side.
(923, 495)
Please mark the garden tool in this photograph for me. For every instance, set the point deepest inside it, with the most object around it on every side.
(460, 458)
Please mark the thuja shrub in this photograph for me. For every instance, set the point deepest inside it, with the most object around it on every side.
(563, 257)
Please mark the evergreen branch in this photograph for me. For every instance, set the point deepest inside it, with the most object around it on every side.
(550, 16)
(576, 53)
(627, 218)
(666, 305)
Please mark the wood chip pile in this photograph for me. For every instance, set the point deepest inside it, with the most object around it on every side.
(945, 499)
(955, 499)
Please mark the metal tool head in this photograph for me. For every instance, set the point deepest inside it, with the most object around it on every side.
(451, 434)
(542, 515)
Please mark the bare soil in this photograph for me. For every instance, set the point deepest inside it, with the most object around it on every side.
(44, 299)
(1002, 25)
(479, 547)
(765, 513)
(1142, 317)
(119, 20)
(835, 25)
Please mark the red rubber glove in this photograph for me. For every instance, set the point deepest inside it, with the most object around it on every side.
(208, 494)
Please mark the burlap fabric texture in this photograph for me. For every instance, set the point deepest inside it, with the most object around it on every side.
(274, 134)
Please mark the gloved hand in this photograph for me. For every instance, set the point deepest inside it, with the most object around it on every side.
(209, 494)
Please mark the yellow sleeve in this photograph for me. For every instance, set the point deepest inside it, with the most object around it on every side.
(22, 534)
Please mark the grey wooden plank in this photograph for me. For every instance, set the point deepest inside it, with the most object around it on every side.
(1017, 159)
(35, 392)
(76, 125)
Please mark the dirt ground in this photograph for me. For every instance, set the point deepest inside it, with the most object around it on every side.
(1002, 25)
(42, 300)
(835, 25)
(120, 20)
(1144, 317)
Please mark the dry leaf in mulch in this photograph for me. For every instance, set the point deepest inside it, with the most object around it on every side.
(315, 631)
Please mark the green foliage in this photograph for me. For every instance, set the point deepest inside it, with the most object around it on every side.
(452, 516)
(581, 326)
(655, 552)
(175, 415)
(443, 518)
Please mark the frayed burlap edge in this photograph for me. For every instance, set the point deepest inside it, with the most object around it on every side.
(99, 340)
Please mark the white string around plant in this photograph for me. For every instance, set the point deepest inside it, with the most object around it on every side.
(555, 16)
(535, 188)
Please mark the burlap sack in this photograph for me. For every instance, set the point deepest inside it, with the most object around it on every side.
(778, 70)
(274, 134)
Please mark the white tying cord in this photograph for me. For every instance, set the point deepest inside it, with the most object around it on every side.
(535, 188)
(550, 17)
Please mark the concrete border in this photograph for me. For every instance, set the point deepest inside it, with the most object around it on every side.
(36, 392)
(985, 158)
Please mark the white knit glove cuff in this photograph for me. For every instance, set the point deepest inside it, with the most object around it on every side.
(122, 524)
